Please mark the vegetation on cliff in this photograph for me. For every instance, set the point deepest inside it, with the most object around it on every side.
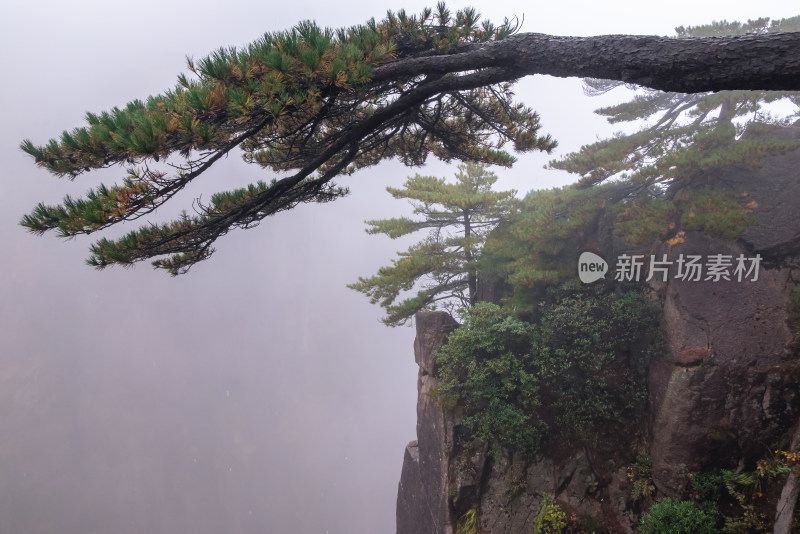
(676, 517)
(574, 377)
(556, 362)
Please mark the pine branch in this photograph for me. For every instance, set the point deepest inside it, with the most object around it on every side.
(317, 103)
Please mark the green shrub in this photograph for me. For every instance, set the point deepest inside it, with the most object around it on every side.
(640, 474)
(551, 518)
(486, 368)
(577, 373)
(671, 516)
(708, 488)
(749, 521)
(592, 350)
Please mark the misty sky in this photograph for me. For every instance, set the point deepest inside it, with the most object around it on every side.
(257, 393)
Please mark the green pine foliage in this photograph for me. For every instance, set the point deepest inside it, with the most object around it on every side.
(685, 146)
(443, 268)
(539, 246)
(757, 26)
(717, 212)
(643, 218)
(303, 104)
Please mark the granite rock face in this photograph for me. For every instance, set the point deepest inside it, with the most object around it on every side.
(422, 493)
(730, 382)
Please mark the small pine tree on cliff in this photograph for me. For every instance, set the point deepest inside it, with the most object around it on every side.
(459, 215)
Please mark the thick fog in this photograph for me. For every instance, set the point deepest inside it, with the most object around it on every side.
(256, 393)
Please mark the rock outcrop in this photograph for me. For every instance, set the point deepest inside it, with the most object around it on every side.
(727, 389)
(422, 500)
(446, 471)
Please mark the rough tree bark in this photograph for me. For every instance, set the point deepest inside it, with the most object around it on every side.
(757, 62)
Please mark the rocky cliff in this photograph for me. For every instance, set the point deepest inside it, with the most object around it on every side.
(726, 392)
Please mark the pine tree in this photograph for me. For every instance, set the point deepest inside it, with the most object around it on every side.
(459, 216)
(314, 103)
(688, 136)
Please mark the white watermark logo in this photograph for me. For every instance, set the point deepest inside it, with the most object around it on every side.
(689, 268)
(591, 267)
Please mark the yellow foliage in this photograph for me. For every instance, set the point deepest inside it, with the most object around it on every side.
(217, 98)
(680, 237)
(341, 80)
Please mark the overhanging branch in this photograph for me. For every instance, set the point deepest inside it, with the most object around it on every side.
(757, 62)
